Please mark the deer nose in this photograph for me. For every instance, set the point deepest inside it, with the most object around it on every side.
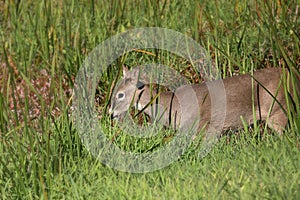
(110, 110)
(111, 113)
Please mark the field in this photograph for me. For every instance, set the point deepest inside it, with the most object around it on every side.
(43, 46)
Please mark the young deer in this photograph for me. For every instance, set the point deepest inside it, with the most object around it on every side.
(243, 96)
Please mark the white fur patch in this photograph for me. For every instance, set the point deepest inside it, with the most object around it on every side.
(139, 106)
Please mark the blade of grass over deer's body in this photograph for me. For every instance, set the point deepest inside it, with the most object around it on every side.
(45, 159)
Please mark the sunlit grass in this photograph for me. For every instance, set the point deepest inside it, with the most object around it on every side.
(44, 158)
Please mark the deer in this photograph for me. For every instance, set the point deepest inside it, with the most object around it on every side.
(245, 98)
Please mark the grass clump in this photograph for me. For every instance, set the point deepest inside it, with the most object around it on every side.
(43, 44)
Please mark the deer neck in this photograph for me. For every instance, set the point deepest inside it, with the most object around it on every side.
(155, 104)
(145, 99)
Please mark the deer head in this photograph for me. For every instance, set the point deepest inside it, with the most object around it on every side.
(126, 93)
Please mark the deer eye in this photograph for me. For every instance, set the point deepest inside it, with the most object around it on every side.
(120, 95)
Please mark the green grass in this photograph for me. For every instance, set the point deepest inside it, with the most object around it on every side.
(44, 158)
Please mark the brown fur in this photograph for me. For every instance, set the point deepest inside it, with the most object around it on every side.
(180, 109)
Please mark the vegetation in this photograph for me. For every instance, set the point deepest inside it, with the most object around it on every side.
(44, 43)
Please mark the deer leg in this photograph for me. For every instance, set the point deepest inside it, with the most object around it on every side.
(277, 121)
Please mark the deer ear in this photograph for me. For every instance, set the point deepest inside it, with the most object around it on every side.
(136, 72)
(140, 85)
(125, 70)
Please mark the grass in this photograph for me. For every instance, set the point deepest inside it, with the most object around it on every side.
(41, 155)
